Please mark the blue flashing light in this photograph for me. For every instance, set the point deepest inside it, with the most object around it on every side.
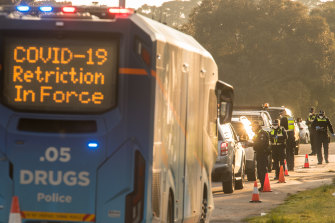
(46, 9)
(23, 8)
(93, 145)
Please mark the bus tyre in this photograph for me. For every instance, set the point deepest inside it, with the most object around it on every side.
(204, 207)
(240, 183)
(229, 185)
(170, 216)
(252, 173)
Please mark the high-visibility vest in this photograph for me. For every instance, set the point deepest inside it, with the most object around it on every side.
(290, 121)
(311, 118)
(321, 119)
(279, 134)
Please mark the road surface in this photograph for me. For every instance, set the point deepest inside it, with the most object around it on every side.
(235, 207)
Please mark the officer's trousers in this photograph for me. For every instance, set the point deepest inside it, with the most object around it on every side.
(290, 146)
(322, 139)
(262, 166)
(313, 140)
(278, 155)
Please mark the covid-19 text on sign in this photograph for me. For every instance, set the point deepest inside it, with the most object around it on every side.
(47, 75)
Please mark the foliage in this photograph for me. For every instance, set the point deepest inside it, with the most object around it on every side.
(315, 205)
(172, 13)
(270, 51)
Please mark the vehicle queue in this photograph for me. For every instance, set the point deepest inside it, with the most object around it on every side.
(263, 139)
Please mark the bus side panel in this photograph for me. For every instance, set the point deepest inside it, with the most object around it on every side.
(169, 139)
(6, 190)
(183, 149)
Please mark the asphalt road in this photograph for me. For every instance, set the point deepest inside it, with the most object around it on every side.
(236, 206)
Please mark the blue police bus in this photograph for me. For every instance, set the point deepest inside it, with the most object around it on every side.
(105, 116)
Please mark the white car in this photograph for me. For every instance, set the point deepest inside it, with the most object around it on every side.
(243, 129)
(304, 132)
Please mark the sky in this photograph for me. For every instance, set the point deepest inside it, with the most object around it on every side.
(129, 3)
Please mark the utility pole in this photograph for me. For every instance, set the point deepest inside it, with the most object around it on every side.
(122, 3)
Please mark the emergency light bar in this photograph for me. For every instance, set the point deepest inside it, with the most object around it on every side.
(101, 12)
(23, 8)
(46, 9)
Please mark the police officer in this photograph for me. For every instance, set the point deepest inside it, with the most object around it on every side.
(312, 133)
(261, 145)
(287, 122)
(278, 139)
(320, 124)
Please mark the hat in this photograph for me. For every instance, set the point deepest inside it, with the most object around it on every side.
(322, 112)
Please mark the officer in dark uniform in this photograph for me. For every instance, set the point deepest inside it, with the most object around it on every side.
(312, 133)
(261, 147)
(287, 122)
(278, 139)
(320, 124)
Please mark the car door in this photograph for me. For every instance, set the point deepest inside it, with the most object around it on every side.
(238, 150)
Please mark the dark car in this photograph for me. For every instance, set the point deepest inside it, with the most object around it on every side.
(275, 114)
(229, 167)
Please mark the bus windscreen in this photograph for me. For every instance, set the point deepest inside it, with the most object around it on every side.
(74, 75)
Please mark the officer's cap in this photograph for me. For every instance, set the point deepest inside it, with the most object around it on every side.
(322, 112)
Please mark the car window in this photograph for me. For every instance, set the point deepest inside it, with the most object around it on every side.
(266, 120)
(233, 132)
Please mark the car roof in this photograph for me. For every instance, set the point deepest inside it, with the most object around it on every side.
(249, 112)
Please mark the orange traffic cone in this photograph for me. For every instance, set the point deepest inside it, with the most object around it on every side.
(286, 170)
(306, 165)
(255, 194)
(266, 187)
(281, 175)
(15, 215)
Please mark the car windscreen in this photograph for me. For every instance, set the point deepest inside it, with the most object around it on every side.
(239, 128)
(275, 114)
(253, 118)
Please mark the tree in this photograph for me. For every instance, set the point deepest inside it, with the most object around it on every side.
(269, 50)
(172, 13)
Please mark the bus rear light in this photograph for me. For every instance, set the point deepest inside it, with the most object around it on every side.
(121, 12)
(224, 149)
(135, 200)
(69, 9)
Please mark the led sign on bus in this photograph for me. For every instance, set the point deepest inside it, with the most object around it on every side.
(60, 75)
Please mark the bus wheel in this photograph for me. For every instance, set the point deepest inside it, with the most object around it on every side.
(204, 207)
(170, 209)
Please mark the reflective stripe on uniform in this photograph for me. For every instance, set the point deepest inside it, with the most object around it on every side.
(290, 121)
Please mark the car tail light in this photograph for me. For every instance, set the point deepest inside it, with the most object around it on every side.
(135, 200)
(224, 148)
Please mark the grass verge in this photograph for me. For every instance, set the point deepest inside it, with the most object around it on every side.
(317, 205)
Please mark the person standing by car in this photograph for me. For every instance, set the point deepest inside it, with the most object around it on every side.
(320, 124)
(261, 147)
(287, 122)
(278, 139)
(312, 133)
